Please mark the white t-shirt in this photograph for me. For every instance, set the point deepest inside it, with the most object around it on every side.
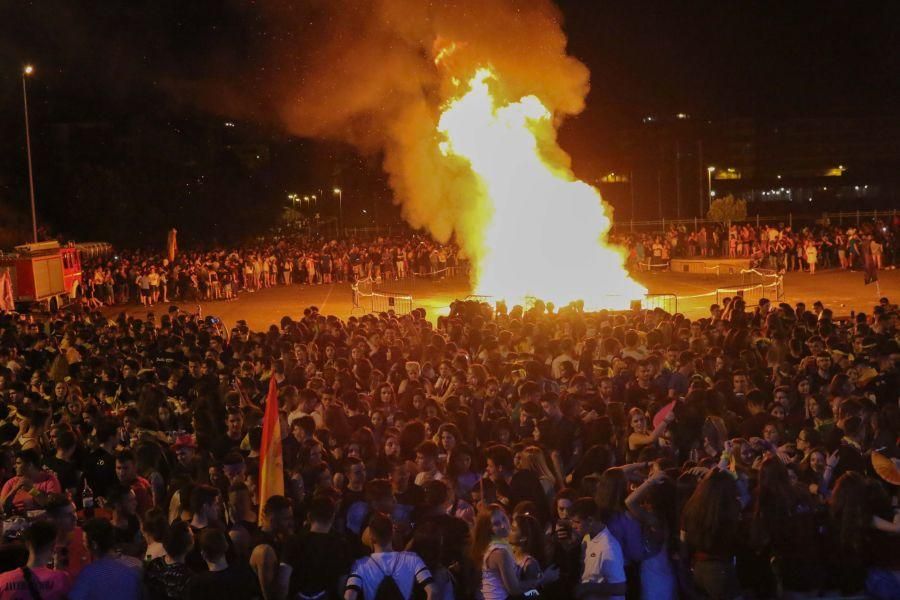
(405, 567)
(603, 561)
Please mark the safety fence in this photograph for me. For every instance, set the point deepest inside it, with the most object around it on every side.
(755, 285)
(666, 302)
(654, 265)
(369, 299)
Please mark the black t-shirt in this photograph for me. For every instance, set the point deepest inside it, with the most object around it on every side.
(68, 473)
(223, 445)
(194, 560)
(318, 561)
(237, 581)
(101, 471)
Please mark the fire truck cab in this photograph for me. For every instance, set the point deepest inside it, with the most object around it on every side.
(43, 274)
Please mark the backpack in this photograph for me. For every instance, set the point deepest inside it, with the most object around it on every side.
(388, 588)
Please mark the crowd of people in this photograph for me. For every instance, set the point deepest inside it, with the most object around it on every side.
(150, 278)
(777, 247)
(493, 454)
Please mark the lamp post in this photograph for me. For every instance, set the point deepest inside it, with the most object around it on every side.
(28, 70)
(340, 196)
(709, 172)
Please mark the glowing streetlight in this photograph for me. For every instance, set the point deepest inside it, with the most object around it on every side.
(709, 171)
(340, 196)
(26, 72)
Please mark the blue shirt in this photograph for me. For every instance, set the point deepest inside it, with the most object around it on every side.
(118, 578)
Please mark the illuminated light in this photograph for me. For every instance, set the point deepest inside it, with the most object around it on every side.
(648, 119)
(28, 70)
(337, 190)
(856, 187)
(229, 124)
(712, 192)
(710, 169)
(682, 116)
(539, 231)
(842, 168)
(778, 176)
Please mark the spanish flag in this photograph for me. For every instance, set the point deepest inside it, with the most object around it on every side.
(271, 465)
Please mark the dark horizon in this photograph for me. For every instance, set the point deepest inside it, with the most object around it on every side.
(114, 120)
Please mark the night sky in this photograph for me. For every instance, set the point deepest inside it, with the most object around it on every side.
(130, 65)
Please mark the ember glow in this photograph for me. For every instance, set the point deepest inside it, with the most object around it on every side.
(541, 233)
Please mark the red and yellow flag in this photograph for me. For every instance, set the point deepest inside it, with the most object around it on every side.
(271, 465)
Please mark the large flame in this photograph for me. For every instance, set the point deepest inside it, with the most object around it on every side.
(543, 231)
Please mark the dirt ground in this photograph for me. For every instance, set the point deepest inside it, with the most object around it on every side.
(840, 290)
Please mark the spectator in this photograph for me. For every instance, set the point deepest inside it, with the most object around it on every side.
(108, 575)
(221, 579)
(35, 579)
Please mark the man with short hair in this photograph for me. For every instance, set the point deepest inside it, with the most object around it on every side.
(70, 553)
(126, 471)
(277, 525)
(36, 579)
(318, 558)
(234, 433)
(109, 575)
(204, 504)
(405, 569)
(426, 460)
(221, 579)
(603, 573)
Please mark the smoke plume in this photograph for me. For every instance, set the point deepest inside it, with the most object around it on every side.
(375, 74)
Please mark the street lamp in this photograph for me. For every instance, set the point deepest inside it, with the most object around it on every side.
(340, 208)
(28, 70)
(709, 172)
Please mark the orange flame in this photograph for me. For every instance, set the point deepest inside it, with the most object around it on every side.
(543, 232)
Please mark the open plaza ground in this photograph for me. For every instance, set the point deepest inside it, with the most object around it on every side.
(843, 291)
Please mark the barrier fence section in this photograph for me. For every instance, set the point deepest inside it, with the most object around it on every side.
(667, 302)
(755, 285)
(371, 300)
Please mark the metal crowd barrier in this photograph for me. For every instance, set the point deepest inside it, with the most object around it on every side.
(368, 299)
(667, 302)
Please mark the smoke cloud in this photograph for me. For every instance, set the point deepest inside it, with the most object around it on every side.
(365, 72)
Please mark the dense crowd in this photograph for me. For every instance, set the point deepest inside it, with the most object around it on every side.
(491, 455)
(150, 278)
(777, 247)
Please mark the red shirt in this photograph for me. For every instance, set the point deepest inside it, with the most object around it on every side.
(143, 493)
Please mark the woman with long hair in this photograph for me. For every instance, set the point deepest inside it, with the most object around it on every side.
(612, 490)
(782, 534)
(641, 436)
(709, 535)
(491, 549)
(818, 415)
(528, 546)
(532, 459)
(462, 471)
(653, 504)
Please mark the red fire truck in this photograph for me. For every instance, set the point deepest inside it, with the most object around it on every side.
(45, 274)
